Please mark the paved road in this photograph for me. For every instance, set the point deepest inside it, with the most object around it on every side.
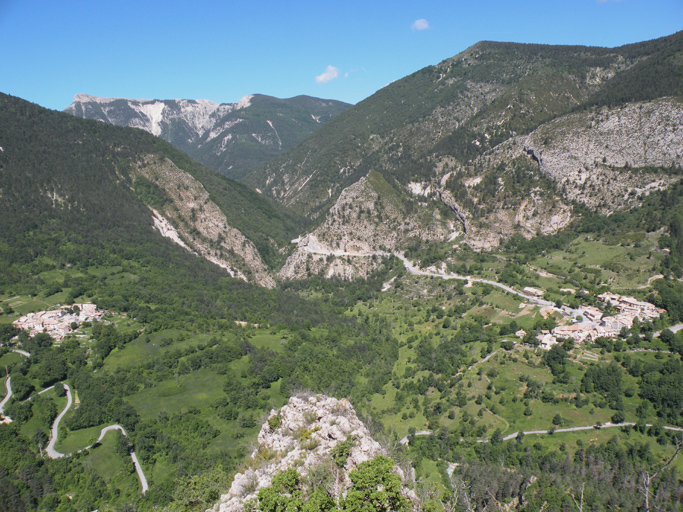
(577, 429)
(673, 328)
(22, 352)
(136, 463)
(50, 450)
(7, 396)
(314, 248)
(531, 432)
(54, 454)
(414, 270)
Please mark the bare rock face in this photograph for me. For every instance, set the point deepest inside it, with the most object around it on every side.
(608, 159)
(605, 159)
(193, 221)
(302, 435)
(368, 222)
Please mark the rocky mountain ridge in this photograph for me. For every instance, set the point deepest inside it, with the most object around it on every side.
(319, 436)
(231, 138)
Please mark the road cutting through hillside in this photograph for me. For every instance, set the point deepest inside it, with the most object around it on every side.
(314, 248)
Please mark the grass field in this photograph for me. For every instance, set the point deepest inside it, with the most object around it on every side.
(71, 441)
(154, 344)
(197, 389)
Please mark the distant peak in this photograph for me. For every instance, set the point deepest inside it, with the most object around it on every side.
(86, 98)
(244, 102)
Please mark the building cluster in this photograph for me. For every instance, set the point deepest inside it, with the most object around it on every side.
(595, 325)
(57, 323)
(632, 307)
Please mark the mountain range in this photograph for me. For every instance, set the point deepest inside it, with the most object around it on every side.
(231, 138)
(498, 140)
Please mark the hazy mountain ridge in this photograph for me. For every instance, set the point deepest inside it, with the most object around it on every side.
(231, 138)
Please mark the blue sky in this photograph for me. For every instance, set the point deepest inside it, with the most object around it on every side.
(223, 50)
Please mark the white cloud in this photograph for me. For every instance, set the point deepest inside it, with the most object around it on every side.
(330, 73)
(421, 24)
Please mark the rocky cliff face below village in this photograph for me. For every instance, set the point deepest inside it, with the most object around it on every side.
(319, 436)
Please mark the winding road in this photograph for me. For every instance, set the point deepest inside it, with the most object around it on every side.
(54, 433)
(54, 454)
(416, 271)
(7, 396)
(313, 247)
(50, 450)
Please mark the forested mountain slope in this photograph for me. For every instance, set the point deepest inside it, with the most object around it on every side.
(501, 138)
(231, 138)
(67, 179)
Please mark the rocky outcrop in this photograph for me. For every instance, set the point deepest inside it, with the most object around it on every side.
(303, 435)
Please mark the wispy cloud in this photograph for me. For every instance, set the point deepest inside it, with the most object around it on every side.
(330, 73)
(421, 24)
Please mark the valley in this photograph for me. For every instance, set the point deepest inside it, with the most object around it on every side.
(467, 290)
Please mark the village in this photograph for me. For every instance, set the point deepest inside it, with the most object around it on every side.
(60, 322)
(595, 325)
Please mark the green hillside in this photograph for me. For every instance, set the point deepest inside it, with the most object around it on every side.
(74, 172)
(488, 94)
